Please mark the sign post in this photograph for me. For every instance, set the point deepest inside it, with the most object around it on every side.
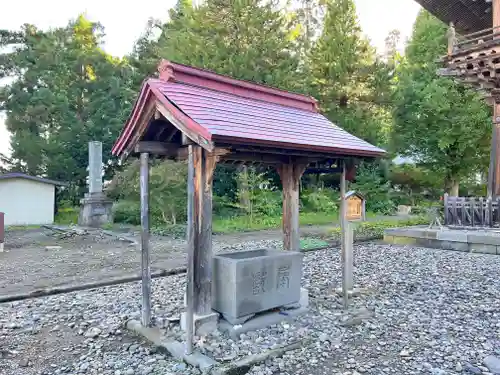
(352, 209)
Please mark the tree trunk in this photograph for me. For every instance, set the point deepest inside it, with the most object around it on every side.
(454, 185)
(244, 193)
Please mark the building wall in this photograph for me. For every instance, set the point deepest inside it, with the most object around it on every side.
(26, 202)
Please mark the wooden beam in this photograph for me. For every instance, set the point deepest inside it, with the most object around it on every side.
(204, 143)
(144, 120)
(290, 175)
(323, 170)
(171, 134)
(157, 148)
(183, 152)
(145, 259)
(290, 153)
(250, 157)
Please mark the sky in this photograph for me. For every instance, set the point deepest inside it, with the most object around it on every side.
(124, 22)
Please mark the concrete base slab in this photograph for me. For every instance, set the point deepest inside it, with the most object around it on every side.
(174, 348)
(482, 248)
(203, 324)
(486, 241)
(267, 318)
(261, 320)
(240, 320)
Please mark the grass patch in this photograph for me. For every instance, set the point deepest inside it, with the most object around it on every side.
(312, 243)
(375, 229)
(21, 227)
(67, 216)
(243, 223)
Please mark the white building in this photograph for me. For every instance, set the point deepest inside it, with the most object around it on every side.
(27, 200)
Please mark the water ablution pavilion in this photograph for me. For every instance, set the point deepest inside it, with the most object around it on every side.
(206, 118)
(473, 59)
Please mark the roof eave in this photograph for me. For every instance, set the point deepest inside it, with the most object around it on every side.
(150, 92)
(334, 151)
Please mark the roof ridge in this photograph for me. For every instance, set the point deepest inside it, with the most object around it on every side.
(174, 72)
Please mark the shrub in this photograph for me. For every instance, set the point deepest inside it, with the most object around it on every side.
(127, 212)
(268, 202)
(67, 215)
(319, 200)
(376, 189)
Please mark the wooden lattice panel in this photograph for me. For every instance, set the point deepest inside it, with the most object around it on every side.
(479, 67)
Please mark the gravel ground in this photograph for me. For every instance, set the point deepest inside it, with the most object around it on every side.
(424, 311)
(40, 258)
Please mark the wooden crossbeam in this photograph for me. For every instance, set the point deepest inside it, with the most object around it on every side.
(157, 148)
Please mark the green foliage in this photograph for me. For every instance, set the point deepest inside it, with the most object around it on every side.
(375, 229)
(250, 40)
(67, 215)
(167, 187)
(65, 92)
(376, 189)
(312, 243)
(173, 231)
(412, 184)
(319, 200)
(127, 212)
(346, 76)
(442, 125)
(256, 195)
(243, 223)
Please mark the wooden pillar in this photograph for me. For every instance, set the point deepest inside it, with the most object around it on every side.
(494, 168)
(346, 248)
(290, 175)
(452, 39)
(190, 254)
(145, 261)
(203, 166)
(495, 12)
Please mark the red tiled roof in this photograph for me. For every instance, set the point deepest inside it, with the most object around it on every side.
(240, 112)
(228, 115)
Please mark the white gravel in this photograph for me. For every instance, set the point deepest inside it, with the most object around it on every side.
(424, 311)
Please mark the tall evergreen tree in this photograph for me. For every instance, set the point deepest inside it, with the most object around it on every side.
(65, 92)
(250, 40)
(441, 124)
(342, 67)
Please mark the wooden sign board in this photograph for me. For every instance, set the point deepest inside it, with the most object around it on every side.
(355, 206)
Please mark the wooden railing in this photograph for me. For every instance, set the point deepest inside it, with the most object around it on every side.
(471, 211)
(479, 39)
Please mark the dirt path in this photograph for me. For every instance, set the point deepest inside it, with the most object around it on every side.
(39, 258)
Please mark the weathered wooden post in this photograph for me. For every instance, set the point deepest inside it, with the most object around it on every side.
(345, 250)
(452, 39)
(290, 175)
(203, 165)
(145, 260)
(190, 254)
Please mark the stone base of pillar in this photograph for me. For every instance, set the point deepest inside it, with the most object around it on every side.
(95, 210)
(203, 324)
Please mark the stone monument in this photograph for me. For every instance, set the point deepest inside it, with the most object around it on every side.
(96, 208)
